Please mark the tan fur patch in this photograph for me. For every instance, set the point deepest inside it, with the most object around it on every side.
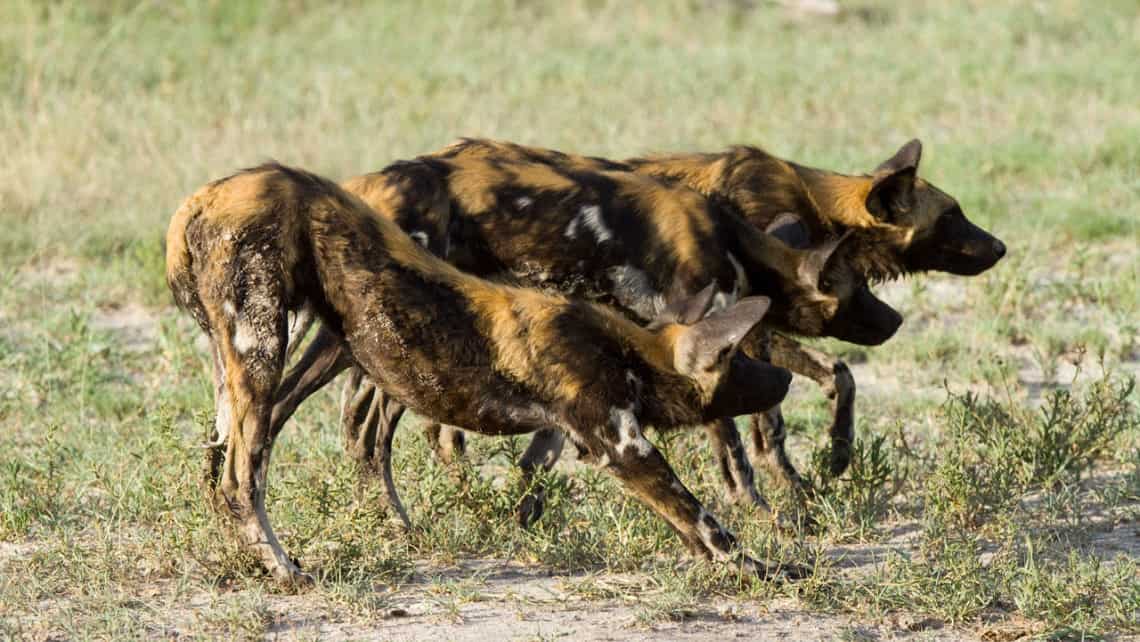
(177, 251)
(702, 172)
(377, 192)
(844, 199)
(472, 185)
(541, 177)
(673, 213)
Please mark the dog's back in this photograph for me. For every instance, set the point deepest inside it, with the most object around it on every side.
(606, 235)
(601, 230)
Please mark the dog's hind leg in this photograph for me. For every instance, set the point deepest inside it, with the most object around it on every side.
(325, 358)
(251, 334)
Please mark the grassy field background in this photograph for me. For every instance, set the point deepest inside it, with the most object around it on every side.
(996, 491)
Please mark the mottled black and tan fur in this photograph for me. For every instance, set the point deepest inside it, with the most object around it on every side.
(246, 251)
(899, 224)
(573, 225)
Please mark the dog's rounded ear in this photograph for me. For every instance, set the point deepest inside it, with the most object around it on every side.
(689, 309)
(709, 342)
(906, 158)
(790, 229)
(892, 188)
(816, 260)
(730, 325)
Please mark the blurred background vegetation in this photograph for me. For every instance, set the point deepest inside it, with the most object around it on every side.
(113, 111)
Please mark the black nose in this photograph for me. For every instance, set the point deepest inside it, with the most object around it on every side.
(999, 248)
(895, 320)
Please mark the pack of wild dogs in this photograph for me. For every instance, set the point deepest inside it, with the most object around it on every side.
(507, 289)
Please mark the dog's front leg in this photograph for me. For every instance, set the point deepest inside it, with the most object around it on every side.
(834, 377)
(739, 476)
(216, 438)
(447, 442)
(360, 408)
(387, 415)
(624, 451)
(767, 428)
(543, 452)
(299, 325)
(768, 445)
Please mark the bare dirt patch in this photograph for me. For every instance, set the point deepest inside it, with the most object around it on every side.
(134, 326)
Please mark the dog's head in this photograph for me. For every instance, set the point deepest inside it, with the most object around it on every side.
(705, 349)
(934, 233)
(833, 297)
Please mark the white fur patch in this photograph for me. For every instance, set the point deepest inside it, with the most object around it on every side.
(244, 339)
(229, 309)
(420, 237)
(742, 284)
(722, 300)
(592, 217)
(223, 413)
(572, 229)
(223, 419)
(629, 432)
(707, 534)
(633, 290)
(633, 381)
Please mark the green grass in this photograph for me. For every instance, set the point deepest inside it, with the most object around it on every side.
(997, 428)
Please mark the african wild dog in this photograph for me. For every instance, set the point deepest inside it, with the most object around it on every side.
(610, 236)
(916, 226)
(900, 224)
(245, 251)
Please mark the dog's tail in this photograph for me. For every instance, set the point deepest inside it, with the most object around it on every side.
(179, 268)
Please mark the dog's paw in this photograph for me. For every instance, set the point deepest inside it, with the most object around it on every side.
(530, 509)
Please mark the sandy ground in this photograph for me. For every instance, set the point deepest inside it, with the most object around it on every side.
(518, 603)
(510, 601)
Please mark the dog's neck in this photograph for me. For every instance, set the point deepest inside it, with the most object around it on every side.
(841, 199)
